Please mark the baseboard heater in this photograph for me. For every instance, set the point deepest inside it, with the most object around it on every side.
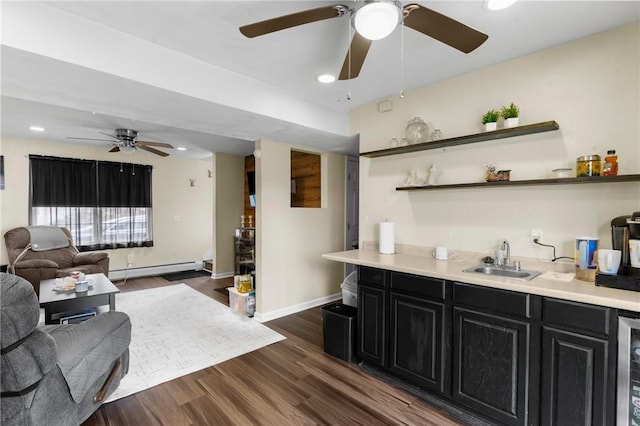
(120, 274)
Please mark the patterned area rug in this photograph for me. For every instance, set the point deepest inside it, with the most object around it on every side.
(178, 330)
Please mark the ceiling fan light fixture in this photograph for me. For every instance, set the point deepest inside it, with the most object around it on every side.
(375, 21)
(128, 149)
(498, 4)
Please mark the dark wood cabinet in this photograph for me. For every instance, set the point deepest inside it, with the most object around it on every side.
(372, 320)
(418, 341)
(495, 368)
(372, 316)
(420, 331)
(511, 358)
(578, 364)
(491, 365)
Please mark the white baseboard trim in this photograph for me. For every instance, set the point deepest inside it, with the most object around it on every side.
(120, 274)
(216, 276)
(268, 316)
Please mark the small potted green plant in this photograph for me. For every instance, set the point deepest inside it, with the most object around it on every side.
(510, 115)
(490, 119)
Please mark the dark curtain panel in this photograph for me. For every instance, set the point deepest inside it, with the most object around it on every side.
(124, 185)
(62, 182)
(106, 205)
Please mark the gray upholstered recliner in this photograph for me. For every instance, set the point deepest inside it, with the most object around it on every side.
(56, 374)
(37, 265)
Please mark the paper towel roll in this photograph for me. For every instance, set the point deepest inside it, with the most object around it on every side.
(387, 238)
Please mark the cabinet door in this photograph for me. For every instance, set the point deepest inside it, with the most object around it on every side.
(491, 367)
(372, 325)
(574, 379)
(419, 341)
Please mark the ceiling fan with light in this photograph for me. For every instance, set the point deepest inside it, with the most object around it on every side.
(375, 20)
(126, 140)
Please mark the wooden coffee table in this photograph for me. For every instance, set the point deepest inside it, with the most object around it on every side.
(101, 292)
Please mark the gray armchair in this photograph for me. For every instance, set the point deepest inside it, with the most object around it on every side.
(35, 266)
(56, 374)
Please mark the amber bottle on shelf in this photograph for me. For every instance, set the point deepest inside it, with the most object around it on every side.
(610, 164)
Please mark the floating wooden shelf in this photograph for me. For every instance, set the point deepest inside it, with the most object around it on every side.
(558, 181)
(546, 126)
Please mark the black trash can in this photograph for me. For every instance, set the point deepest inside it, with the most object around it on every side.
(339, 331)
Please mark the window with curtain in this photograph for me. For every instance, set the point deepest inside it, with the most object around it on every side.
(105, 205)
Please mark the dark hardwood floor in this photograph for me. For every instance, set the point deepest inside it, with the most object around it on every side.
(293, 382)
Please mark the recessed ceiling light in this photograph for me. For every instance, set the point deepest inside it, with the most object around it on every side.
(36, 129)
(181, 148)
(326, 78)
(498, 4)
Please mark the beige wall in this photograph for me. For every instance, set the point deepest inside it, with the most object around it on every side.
(229, 205)
(182, 226)
(591, 87)
(290, 272)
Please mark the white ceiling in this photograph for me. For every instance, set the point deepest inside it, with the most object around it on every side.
(181, 72)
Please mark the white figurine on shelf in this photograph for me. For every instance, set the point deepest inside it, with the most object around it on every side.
(412, 179)
(433, 175)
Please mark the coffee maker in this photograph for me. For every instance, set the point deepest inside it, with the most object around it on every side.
(623, 229)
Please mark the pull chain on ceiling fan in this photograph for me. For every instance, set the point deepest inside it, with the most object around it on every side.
(424, 20)
(401, 94)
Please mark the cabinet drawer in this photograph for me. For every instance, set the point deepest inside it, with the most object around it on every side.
(416, 285)
(577, 316)
(372, 276)
(493, 300)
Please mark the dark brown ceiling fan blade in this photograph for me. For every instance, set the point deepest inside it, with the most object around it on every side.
(115, 149)
(160, 144)
(292, 20)
(358, 53)
(442, 28)
(152, 150)
(90, 139)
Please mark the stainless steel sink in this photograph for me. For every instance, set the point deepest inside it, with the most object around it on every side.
(502, 271)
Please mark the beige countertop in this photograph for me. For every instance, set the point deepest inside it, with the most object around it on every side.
(420, 262)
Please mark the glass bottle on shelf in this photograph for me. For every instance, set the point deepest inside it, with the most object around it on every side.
(610, 167)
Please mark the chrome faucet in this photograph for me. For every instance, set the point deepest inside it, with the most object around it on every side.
(506, 248)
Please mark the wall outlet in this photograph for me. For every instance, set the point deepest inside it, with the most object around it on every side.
(536, 234)
(130, 259)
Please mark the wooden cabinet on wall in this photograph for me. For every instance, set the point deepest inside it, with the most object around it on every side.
(305, 179)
